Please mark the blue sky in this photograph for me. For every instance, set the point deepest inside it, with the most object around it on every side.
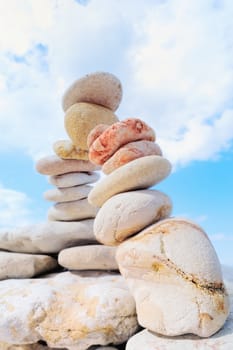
(174, 59)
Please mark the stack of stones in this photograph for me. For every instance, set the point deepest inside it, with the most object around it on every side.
(172, 282)
(90, 304)
(171, 267)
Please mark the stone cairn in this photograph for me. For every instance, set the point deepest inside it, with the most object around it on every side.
(170, 282)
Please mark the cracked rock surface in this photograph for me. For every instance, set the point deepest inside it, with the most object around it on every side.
(67, 310)
(175, 277)
(222, 340)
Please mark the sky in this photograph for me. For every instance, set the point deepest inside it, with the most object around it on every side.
(175, 61)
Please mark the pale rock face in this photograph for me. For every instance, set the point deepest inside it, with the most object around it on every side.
(69, 211)
(127, 213)
(139, 174)
(91, 257)
(18, 265)
(53, 165)
(67, 194)
(175, 277)
(73, 179)
(101, 88)
(37, 238)
(67, 310)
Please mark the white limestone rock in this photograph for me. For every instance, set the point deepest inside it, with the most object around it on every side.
(73, 179)
(19, 265)
(90, 257)
(127, 213)
(175, 277)
(69, 211)
(47, 237)
(67, 310)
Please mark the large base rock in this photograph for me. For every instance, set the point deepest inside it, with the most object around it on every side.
(67, 310)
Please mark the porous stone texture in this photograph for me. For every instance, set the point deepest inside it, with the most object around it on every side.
(139, 174)
(69, 211)
(66, 150)
(91, 257)
(117, 135)
(47, 237)
(129, 152)
(70, 310)
(175, 277)
(73, 179)
(19, 265)
(53, 165)
(101, 88)
(5, 346)
(81, 118)
(67, 194)
(127, 213)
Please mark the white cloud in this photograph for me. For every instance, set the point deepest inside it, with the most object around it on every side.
(14, 208)
(173, 57)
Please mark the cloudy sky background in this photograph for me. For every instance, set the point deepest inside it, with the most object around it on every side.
(175, 61)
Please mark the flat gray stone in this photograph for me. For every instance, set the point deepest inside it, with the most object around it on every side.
(139, 174)
(53, 165)
(90, 257)
(47, 237)
(67, 194)
(19, 265)
(73, 179)
(69, 211)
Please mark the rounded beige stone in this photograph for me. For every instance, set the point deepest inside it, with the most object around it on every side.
(91, 257)
(53, 165)
(67, 194)
(69, 211)
(139, 174)
(19, 265)
(73, 179)
(66, 150)
(127, 213)
(175, 277)
(100, 88)
(81, 118)
(36, 238)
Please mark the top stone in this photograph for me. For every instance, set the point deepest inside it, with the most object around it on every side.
(53, 165)
(99, 88)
